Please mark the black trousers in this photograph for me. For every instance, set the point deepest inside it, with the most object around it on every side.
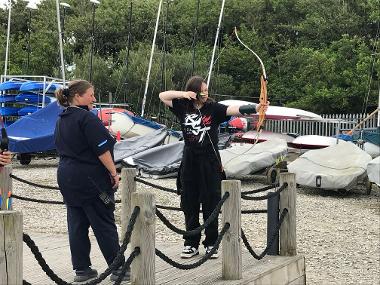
(200, 179)
(102, 222)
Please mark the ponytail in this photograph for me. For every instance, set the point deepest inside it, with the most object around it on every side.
(65, 95)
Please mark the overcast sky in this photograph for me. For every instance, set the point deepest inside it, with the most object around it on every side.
(32, 2)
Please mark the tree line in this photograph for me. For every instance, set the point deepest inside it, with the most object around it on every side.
(320, 56)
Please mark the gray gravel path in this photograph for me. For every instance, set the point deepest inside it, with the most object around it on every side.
(339, 236)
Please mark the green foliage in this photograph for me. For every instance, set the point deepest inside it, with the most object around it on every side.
(321, 56)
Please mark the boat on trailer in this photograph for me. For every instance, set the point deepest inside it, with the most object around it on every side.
(339, 167)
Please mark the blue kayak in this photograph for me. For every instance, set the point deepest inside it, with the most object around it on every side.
(28, 110)
(7, 98)
(9, 111)
(32, 98)
(39, 86)
(10, 85)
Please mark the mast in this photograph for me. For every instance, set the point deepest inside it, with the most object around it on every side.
(128, 50)
(151, 59)
(215, 43)
(195, 37)
(60, 43)
(8, 39)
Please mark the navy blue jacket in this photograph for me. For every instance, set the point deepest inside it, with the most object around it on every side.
(80, 139)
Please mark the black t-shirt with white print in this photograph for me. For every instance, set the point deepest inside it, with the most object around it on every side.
(198, 126)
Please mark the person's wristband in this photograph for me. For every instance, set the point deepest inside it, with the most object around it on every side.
(247, 109)
(114, 175)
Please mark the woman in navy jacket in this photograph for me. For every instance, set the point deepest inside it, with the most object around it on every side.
(87, 178)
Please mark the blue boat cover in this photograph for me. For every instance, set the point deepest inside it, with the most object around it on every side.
(28, 110)
(32, 98)
(10, 85)
(39, 86)
(7, 98)
(9, 111)
(35, 132)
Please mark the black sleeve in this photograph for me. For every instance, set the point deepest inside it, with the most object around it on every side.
(96, 134)
(179, 107)
(220, 113)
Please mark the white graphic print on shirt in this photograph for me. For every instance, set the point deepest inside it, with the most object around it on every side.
(194, 124)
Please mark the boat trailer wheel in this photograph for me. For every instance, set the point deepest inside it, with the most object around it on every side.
(25, 158)
(272, 175)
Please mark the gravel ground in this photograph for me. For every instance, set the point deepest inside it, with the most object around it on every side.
(338, 235)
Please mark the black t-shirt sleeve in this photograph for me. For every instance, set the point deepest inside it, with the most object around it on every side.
(96, 134)
(220, 113)
(179, 107)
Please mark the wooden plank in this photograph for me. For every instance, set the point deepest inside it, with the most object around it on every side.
(208, 273)
(231, 213)
(127, 187)
(143, 236)
(11, 248)
(5, 186)
(288, 238)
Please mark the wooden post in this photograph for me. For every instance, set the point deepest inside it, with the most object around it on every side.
(288, 197)
(11, 248)
(5, 187)
(143, 236)
(231, 213)
(127, 187)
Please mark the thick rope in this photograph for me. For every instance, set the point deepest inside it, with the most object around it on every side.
(37, 200)
(33, 184)
(206, 257)
(266, 188)
(115, 264)
(271, 240)
(265, 197)
(211, 218)
(155, 186)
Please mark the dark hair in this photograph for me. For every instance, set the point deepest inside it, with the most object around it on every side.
(65, 95)
(195, 84)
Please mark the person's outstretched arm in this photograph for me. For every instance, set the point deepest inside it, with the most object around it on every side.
(243, 110)
(167, 96)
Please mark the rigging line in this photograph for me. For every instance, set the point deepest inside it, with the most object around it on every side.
(163, 65)
(151, 60)
(370, 75)
(215, 43)
(195, 36)
(121, 83)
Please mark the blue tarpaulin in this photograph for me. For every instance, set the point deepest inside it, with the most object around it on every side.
(35, 132)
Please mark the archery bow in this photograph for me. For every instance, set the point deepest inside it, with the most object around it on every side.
(263, 89)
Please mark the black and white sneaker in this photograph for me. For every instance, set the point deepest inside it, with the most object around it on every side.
(189, 251)
(208, 250)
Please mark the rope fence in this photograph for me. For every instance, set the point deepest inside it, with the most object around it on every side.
(281, 209)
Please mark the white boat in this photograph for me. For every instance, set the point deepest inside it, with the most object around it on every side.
(372, 149)
(313, 142)
(128, 126)
(279, 113)
(244, 159)
(335, 167)
(373, 170)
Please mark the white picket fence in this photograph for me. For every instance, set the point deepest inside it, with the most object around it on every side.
(330, 126)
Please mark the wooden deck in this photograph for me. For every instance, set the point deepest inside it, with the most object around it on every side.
(270, 270)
